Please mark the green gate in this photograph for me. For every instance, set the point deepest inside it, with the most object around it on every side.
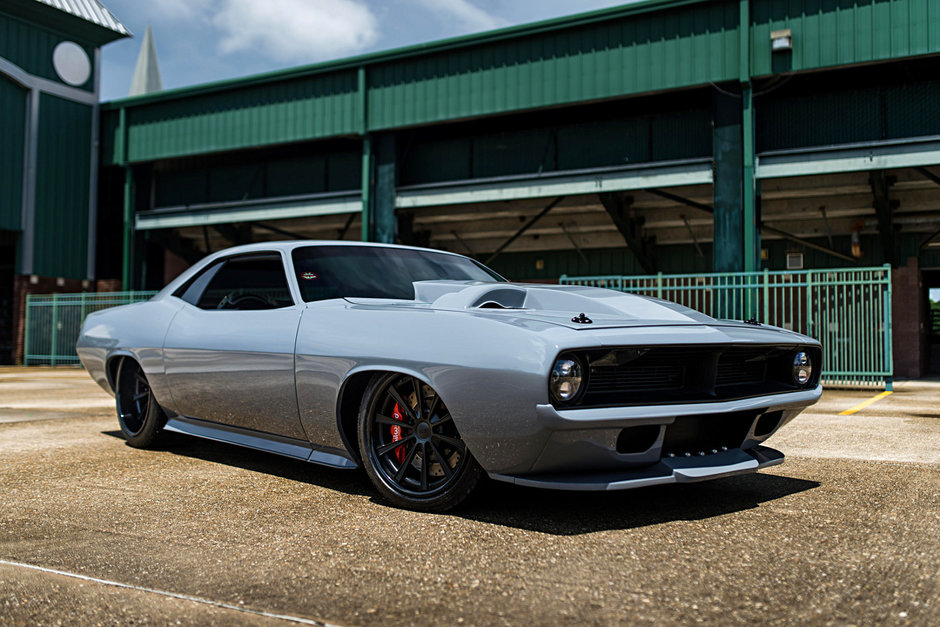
(53, 322)
(847, 310)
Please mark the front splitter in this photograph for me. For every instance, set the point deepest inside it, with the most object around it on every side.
(667, 470)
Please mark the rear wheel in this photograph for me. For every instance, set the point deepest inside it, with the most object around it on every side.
(410, 446)
(139, 415)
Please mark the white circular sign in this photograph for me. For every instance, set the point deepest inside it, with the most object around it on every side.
(71, 63)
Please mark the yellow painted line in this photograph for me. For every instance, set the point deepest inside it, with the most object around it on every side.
(864, 404)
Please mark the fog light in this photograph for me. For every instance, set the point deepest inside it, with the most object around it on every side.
(802, 368)
(565, 380)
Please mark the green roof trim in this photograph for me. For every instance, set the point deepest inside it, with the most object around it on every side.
(394, 54)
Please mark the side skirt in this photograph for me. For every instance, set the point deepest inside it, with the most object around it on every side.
(288, 447)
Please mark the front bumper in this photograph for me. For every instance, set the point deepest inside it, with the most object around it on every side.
(633, 439)
(669, 470)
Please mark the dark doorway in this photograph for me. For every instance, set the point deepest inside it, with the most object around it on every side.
(931, 283)
(7, 268)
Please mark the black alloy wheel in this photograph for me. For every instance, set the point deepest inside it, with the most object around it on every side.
(410, 446)
(139, 415)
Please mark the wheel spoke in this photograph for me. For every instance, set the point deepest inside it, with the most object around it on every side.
(141, 379)
(391, 422)
(419, 404)
(405, 464)
(405, 407)
(424, 466)
(144, 394)
(433, 408)
(391, 446)
(453, 442)
(441, 420)
(444, 465)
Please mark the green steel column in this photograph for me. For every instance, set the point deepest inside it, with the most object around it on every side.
(366, 188)
(383, 196)
(748, 198)
(728, 185)
(128, 227)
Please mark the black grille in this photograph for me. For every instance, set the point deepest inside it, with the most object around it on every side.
(742, 366)
(675, 374)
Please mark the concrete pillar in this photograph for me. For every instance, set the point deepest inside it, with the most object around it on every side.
(909, 321)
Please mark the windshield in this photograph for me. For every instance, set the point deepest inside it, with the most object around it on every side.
(325, 272)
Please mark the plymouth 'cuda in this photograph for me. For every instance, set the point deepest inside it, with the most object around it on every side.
(431, 372)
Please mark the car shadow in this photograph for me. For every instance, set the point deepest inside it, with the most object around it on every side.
(565, 513)
(348, 481)
(551, 512)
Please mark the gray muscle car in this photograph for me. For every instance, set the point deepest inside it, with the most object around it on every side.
(431, 371)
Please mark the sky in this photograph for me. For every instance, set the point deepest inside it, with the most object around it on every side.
(200, 41)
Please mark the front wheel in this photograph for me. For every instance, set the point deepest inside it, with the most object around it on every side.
(139, 415)
(410, 446)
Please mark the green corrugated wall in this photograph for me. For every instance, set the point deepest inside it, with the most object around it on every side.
(648, 52)
(841, 32)
(12, 143)
(64, 157)
(279, 112)
(626, 51)
(30, 47)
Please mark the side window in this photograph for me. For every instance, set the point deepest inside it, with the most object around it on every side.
(243, 283)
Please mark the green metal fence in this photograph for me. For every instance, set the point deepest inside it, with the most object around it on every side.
(53, 322)
(847, 310)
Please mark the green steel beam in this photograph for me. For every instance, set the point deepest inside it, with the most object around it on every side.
(862, 157)
(549, 185)
(249, 211)
(525, 227)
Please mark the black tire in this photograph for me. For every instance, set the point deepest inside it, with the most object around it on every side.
(139, 415)
(431, 470)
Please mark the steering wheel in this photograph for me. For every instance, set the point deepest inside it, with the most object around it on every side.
(236, 302)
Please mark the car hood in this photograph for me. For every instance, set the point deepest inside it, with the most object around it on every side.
(555, 304)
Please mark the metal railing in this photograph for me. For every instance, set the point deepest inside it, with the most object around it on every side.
(847, 310)
(53, 322)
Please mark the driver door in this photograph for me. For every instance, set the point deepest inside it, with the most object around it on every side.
(229, 352)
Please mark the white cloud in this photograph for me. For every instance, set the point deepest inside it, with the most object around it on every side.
(471, 17)
(170, 10)
(295, 30)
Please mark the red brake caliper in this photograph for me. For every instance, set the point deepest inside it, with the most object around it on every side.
(396, 434)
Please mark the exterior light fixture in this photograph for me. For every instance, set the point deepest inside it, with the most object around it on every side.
(781, 40)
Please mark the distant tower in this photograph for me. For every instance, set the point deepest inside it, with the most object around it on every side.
(147, 73)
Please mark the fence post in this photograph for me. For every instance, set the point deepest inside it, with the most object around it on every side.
(26, 329)
(659, 285)
(55, 327)
(766, 296)
(81, 319)
(889, 350)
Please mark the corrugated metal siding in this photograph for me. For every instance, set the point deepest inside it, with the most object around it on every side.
(12, 141)
(841, 32)
(61, 241)
(298, 110)
(30, 47)
(848, 116)
(90, 10)
(650, 52)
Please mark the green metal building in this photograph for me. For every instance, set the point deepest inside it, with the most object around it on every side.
(49, 120)
(661, 136)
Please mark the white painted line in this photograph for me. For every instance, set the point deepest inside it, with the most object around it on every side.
(174, 595)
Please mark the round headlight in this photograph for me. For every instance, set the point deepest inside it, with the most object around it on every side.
(565, 380)
(802, 368)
